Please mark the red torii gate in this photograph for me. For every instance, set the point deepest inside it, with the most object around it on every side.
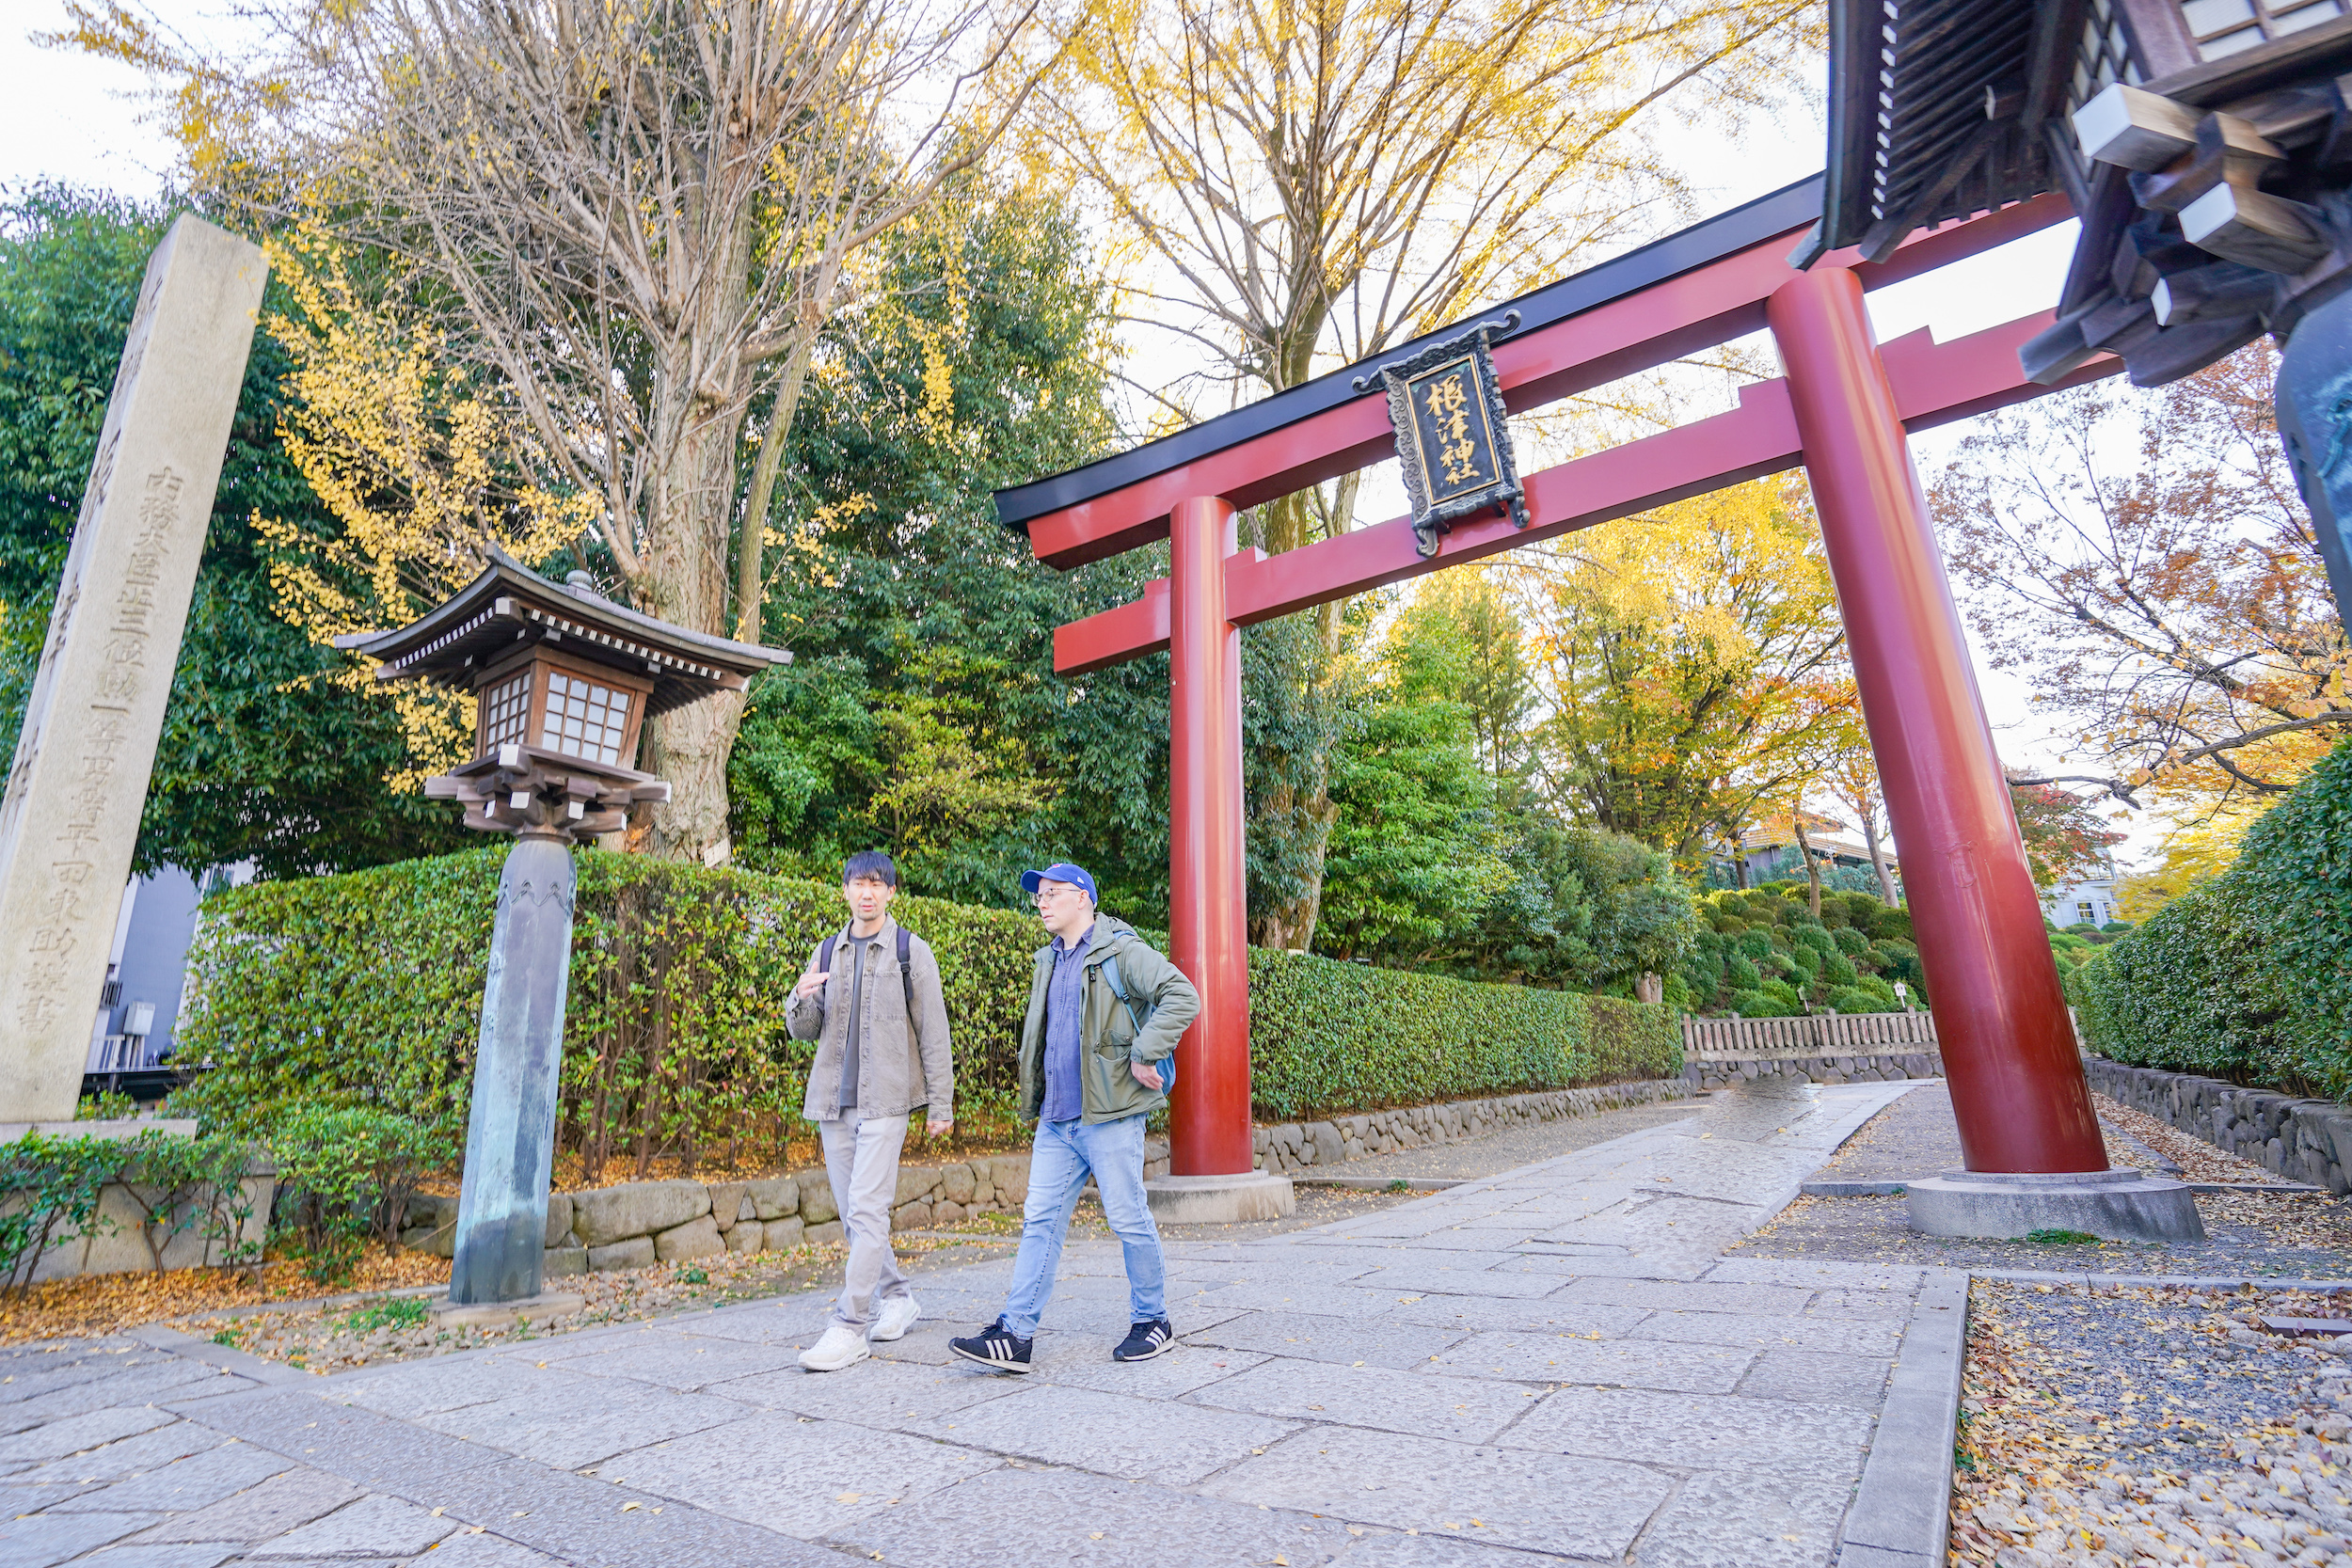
(1841, 409)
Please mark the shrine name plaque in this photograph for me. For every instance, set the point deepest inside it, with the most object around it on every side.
(1453, 436)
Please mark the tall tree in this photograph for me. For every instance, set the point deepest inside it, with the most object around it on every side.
(922, 714)
(630, 221)
(1308, 182)
(2062, 832)
(2168, 606)
(1853, 782)
(1686, 661)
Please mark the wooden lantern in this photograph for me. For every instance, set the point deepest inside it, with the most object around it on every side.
(564, 680)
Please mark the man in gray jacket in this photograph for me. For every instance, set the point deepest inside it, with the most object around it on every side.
(1098, 1053)
(871, 1001)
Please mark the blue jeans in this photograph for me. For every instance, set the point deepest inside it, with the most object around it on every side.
(1065, 1151)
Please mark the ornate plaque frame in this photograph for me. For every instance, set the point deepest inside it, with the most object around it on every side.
(1479, 464)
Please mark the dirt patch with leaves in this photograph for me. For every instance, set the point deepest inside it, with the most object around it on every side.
(2116, 1428)
(97, 1304)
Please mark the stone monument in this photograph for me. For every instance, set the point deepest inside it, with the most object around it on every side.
(79, 779)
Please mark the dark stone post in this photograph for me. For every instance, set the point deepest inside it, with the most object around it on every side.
(2314, 404)
(510, 1138)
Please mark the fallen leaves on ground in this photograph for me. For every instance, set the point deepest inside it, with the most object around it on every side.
(2199, 1160)
(102, 1304)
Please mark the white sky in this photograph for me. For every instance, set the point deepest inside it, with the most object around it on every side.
(70, 119)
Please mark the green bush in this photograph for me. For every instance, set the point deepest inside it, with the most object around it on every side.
(2247, 976)
(1757, 1003)
(50, 1187)
(347, 1173)
(1329, 1037)
(1838, 971)
(1782, 991)
(1740, 974)
(364, 990)
(1853, 999)
(1850, 941)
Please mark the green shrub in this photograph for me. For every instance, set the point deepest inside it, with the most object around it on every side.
(49, 1188)
(2116, 927)
(1807, 958)
(346, 1173)
(1850, 941)
(1757, 1003)
(105, 1105)
(1878, 991)
(1852, 999)
(364, 990)
(1785, 992)
(1839, 970)
(2247, 976)
(1740, 974)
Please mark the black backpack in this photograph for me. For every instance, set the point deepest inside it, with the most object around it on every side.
(906, 971)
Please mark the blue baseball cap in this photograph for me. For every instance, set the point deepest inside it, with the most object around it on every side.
(1060, 871)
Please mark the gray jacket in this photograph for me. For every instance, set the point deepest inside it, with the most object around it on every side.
(895, 1073)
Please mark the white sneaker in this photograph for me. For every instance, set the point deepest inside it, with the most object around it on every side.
(898, 1315)
(840, 1347)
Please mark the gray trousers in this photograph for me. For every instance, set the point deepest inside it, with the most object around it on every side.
(861, 1162)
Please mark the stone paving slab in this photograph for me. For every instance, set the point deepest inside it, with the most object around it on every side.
(1557, 1361)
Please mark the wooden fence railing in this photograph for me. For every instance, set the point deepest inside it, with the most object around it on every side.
(1749, 1039)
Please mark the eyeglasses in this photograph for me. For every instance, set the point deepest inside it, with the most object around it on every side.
(1043, 895)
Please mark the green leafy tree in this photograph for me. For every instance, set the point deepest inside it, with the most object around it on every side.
(261, 757)
(921, 714)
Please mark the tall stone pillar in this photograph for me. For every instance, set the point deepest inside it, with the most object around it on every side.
(79, 779)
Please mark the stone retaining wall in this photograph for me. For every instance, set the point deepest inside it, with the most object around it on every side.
(2303, 1140)
(1816, 1070)
(642, 1223)
(1295, 1145)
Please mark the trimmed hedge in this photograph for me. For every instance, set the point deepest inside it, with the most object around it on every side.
(2248, 977)
(366, 989)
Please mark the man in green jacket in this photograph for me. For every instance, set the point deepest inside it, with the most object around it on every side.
(1097, 1056)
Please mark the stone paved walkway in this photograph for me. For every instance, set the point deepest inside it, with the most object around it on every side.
(1556, 1359)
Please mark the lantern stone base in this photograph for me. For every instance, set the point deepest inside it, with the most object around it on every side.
(538, 1308)
(1250, 1194)
(2118, 1205)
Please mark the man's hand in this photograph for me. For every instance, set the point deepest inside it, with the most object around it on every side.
(935, 1128)
(811, 983)
(1148, 1076)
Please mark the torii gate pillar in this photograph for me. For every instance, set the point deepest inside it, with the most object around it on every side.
(2029, 1138)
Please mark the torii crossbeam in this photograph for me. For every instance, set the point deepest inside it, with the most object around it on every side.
(1841, 409)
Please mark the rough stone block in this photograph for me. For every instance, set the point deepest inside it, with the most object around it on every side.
(559, 1217)
(746, 1237)
(564, 1261)
(635, 1253)
(827, 1234)
(817, 1205)
(774, 1197)
(947, 1211)
(786, 1234)
(726, 1203)
(1009, 1175)
(916, 1182)
(911, 1216)
(696, 1238)
(610, 1214)
(957, 1184)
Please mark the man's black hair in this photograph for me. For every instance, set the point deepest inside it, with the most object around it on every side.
(869, 863)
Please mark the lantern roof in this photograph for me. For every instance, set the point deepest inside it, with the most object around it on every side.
(510, 604)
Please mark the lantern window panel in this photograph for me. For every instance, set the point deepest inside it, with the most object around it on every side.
(506, 713)
(585, 718)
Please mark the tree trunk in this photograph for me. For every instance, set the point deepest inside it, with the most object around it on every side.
(1812, 866)
(1878, 858)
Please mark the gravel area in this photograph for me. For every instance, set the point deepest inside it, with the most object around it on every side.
(2286, 1235)
(2150, 1426)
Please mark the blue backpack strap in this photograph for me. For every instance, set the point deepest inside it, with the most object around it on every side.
(1110, 975)
(824, 954)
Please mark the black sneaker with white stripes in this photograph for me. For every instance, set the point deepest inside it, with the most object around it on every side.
(995, 1347)
(1146, 1340)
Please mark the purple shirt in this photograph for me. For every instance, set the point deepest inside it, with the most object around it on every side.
(1065, 1002)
